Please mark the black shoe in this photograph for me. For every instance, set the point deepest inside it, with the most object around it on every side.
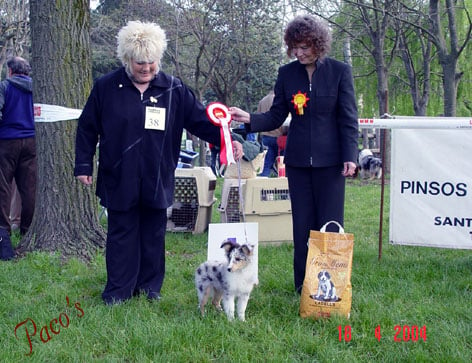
(151, 295)
(112, 301)
(6, 250)
(154, 296)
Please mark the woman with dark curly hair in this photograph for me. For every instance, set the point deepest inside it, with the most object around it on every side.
(321, 146)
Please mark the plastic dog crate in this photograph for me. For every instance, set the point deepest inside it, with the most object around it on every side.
(193, 200)
(229, 208)
(265, 201)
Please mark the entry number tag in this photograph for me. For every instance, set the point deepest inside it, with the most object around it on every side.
(155, 118)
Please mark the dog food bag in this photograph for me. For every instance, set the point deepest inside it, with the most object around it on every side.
(327, 286)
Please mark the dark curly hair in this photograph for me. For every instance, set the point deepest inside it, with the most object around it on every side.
(313, 32)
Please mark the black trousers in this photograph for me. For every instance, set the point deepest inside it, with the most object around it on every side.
(317, 196)
(135, 253)
(18, 161)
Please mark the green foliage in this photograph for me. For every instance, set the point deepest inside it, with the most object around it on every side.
(251, 35)
(409, 286)
(403, 18)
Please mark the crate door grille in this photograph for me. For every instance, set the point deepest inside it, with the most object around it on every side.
(232, 206)
(274, 194)
(185, 207)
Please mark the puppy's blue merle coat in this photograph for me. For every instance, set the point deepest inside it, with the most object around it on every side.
(369, 165)
(227, 280)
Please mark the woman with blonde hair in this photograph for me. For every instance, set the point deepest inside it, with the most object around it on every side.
(137, 114)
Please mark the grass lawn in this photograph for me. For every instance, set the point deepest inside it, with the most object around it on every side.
(409, 288)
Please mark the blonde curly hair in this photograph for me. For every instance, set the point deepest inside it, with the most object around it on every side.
(142, 42)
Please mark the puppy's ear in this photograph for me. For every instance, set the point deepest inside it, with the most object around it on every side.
(248, 249)
(227, 245)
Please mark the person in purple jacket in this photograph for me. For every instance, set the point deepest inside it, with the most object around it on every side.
(321, 147)
(17, 149)
(136, 114)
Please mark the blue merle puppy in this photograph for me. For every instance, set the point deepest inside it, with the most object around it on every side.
(228, 281)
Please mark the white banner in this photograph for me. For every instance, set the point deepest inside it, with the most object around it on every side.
(416, 122)
(431, 188)
(51, 113)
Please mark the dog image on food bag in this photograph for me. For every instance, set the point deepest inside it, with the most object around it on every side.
(228, 281)
(326, 289)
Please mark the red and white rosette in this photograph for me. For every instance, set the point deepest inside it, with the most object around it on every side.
(219, 115)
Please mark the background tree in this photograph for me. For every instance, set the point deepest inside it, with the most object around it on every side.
(415, 51)
(222, 49)
(103, 33)
(384, 32)
(368, 23)
(65, 219)
(14, 29)
(233, 47)
(445, 36)
(239, 40)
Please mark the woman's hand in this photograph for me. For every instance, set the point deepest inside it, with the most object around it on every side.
(239, 115)
(349, 168)
(85, 179)
(237, 150)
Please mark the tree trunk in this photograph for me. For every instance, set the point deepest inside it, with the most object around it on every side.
(450, 83)
(449, 51)
(66, 218)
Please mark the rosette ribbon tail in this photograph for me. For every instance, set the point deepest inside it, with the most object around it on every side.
(226, 154)
(219, 115)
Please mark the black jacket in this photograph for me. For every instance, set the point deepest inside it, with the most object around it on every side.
(327, 132)
(136, 165)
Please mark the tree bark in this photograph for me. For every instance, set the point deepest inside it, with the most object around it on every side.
(449, 51)
(66, 218)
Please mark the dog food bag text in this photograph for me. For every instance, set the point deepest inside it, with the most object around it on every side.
(327, 286)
